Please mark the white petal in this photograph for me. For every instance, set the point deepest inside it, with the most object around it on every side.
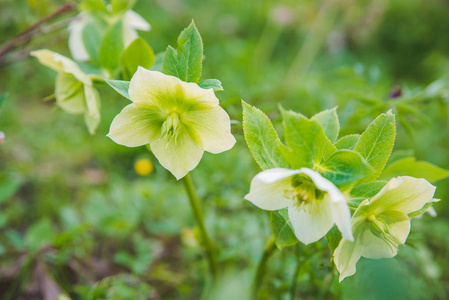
(270, 194)
(405, 194)
(135, 126)
(129, 35)
(92, 115)
(311, 223)
(76, 44)
(135, 21)
(346, 256)
(213, 128)
(341, 214)
(179, 156)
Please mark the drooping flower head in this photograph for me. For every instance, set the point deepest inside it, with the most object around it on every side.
(180, 120)
(74, 90)
(381, 224)
(314, 203)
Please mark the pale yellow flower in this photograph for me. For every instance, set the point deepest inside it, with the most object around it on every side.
(179, 120)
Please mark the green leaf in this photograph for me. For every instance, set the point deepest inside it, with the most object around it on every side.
(214, 84)
(158, 61)
(111, 47)
(262, 139)
(344, 168)
(376, 144)
(138, 53)
(333, 238)
(329, 122)
(347, 142)
(91, 40)
(409, 166)
(92, 5)
(8, 187)
(122, 5)
(186, 62)
(40, 234)
(2, 98)
(308, 145)
(367, 190)
(282, 229)
(120, 86)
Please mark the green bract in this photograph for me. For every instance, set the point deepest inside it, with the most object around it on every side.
(74, 90)
(382, 223)
(178, 119)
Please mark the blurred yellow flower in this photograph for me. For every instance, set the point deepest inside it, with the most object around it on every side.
(143, 167)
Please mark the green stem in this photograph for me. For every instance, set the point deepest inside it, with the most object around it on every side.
(198, 214)
(270, 247)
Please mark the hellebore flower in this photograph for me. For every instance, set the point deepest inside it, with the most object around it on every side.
(314, 203)
(381, 224)
(132, 22)
(179, 120)
(74, 90)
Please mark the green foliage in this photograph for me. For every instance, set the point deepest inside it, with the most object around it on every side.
(329, 122)
(376, 143)
(120, 86)
(2, 98)
(333, 238)
(282, 229)
(214, 84)
(409, 166)
(347, 142)
(40, 234)
(122, 5)
(92, 5)
(344, 167)
(262, 139)
(367, 190)
(138, 53)
(111, 47)
(186, 61)
(91, 38)
(308, 144)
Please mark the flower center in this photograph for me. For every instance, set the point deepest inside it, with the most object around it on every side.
(172, 126)
(304, 192)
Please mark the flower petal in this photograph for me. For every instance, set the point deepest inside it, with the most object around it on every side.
(76, 44)
(135, 21)
(347, 254)
(213, 127)
(152, 88)
(178, 155)
(268, 188)
(135, 126)
(341, 214)
(60, 63)
(92, 115)
(375, 246)
(405, 194)
(311, 223)
(69, 93)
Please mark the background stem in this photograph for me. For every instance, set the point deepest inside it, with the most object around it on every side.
(198, 214)
(270, 247)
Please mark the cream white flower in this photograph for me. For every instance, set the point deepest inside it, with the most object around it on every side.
(132, 22)
(74, 90)
(381, 224)
(180, 120)
(314, 203)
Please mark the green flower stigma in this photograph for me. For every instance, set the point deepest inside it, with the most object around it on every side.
(381, 227)
(172, 126)
(304, 192)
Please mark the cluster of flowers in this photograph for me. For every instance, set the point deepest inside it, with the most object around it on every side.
(180, 120)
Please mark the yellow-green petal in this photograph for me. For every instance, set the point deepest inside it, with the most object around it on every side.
(92, 114)
(213, 128)
(135, 126)
(179, 155)
(69, 93)
(405, 194)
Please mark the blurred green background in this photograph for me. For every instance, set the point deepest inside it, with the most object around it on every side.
(73, 211)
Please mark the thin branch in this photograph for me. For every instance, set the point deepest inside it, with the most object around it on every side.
(34, 29)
